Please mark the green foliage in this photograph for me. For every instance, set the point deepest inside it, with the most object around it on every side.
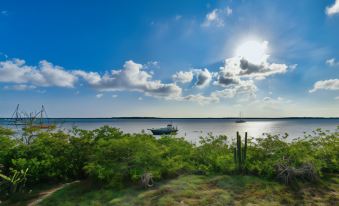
(177, 156)
(14, 183)
(213, 155)
(124, 157)
(108, 156)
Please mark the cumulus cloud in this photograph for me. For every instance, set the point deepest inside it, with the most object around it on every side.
(236, 68)
(259, 71)
(131, 78)
(203, 76)
(91, 77)
(330, 84)
(56, 75)
(236, 78)
(251, 61)
(45, 75)
(225, 77)
(19, 87)
(216, 17)
(333, 9)
(244, 87)
(332, 62)
(183, 77)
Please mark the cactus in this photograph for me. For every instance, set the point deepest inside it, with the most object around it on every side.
(245, 148)
(240, 153)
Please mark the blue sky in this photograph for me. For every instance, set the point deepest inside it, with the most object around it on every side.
(170, 58)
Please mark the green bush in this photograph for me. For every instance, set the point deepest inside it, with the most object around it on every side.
(124, 158)
(214, 155)
(109, 156)
(47, 157)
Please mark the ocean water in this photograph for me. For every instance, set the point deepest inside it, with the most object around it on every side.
(192, 129)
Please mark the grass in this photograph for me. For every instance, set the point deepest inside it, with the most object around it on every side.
(202, 190)
(21, 199)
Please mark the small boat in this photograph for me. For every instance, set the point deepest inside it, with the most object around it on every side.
(240, 120)
(169, 129)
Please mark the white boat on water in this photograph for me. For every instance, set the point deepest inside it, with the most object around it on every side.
(169, 129)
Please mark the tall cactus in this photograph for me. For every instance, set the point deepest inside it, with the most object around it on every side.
(240, 153)
(245, 148)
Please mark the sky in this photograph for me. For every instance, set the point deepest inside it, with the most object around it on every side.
(192, 58)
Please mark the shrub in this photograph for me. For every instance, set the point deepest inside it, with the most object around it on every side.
(214, 155)
(109, 156)
(124, 158)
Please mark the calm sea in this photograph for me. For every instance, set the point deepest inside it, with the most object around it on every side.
(192, 129)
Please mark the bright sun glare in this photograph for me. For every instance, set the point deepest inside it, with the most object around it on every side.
(253, 51)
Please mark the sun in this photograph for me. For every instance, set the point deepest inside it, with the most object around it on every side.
(253, 51)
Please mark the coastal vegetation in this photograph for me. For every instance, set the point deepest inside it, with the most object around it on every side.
(110, 165)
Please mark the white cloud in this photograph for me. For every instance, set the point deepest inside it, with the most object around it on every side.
(19, 87)
(237, 78)
(132, 78)
(216, 17)
(114, 96)
(140, 98)
(201, 99)
(99, 95)
(246, 89)
(334, 9)
(332, 62)
(183, 77)
(330, 84)
(336, 98)
(237, 67)
(91, 77)
(56, 75)
(203, 76)
(45, 75)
